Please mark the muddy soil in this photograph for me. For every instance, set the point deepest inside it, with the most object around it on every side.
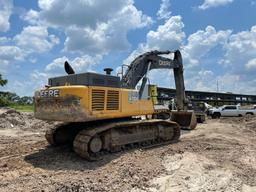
(220, 155)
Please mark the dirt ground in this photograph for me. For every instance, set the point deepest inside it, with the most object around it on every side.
(220, 155)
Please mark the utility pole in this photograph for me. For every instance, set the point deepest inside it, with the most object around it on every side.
(217, 85)
(216, 97)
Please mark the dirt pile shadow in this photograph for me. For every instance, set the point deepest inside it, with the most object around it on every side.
(64, 158)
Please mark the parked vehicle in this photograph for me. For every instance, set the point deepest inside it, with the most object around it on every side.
(199, 109)
(230, 111)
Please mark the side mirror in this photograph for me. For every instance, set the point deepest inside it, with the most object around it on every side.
(223, 109)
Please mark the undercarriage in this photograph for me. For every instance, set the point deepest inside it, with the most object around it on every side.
(92, 140)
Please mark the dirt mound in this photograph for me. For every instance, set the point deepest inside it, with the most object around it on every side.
(237, 120)
(10, 118)
(201, 174)
(248, 122)
(251, 124)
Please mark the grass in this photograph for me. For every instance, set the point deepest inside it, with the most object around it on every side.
(23, 108)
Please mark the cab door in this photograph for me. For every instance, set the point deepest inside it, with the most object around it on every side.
(229, 111)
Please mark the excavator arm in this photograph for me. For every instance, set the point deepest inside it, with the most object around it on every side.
(153, 60)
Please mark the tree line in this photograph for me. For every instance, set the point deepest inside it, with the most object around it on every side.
(8, 98)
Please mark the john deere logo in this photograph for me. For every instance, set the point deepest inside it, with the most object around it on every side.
(50, 93)
(164, 63)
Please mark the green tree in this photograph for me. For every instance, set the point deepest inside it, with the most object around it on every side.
(3, 101)
(3, 82)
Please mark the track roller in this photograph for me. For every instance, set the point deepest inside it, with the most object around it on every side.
(88, 146)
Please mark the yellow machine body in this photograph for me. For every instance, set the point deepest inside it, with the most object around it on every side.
(87, 103)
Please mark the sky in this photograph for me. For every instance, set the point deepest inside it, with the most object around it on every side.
(217, 39)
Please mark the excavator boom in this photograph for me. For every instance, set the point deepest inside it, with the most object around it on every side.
(153, 60)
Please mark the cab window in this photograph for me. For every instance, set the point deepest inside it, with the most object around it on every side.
(230, 107)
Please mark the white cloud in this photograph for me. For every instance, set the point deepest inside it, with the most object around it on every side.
(168, 36)
(198, 75)
(31, 17)
(86, 40)
(236, 52)
(32, 39)
(214, 3)
(235, 83)
(238, 63)
(229, 79)
(92, 29)
(36, 39)
(85, 63)
(201, 80)
(36, 76)
(105, 37)
(79, 64)
(251, 64)
(240, 53)
(171, 37)
(38, 79)
(56, 63)
(201, 42)
(10, 54)
(205, 73)
(32, 59)
(84, 13)
(94, 26)
(5, 40)
(5, 13)
(164, 12)
(26, 87)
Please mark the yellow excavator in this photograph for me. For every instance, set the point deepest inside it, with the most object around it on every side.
(102, 113)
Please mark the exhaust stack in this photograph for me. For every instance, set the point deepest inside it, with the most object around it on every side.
(69, 70)
(108, 71)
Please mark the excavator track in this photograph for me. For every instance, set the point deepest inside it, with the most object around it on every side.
(49, 135)
(61, 134)
(93, 142)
